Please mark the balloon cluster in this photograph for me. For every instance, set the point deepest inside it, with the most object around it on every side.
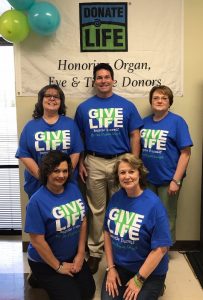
(42, 17)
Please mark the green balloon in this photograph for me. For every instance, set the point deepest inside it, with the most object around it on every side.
(14, 26)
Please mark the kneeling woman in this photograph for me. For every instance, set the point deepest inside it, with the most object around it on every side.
(56, 223)
(136, 236)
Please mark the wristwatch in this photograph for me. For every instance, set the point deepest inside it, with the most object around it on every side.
(178, 182)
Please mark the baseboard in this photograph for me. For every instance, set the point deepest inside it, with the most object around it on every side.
(186, 246)
(178, 246)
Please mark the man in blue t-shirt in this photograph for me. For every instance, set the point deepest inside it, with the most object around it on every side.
(110, 126)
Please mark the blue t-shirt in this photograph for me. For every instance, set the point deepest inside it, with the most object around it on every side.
(58, 217)
(162, 142)
(106, 123)
(38, 138)
(136, 226)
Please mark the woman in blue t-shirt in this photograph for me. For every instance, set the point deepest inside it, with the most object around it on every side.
(56, 222)
(136, 236)
(50, 129)
(166, 148)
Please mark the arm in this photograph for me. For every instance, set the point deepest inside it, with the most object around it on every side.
(31, 166)
(82, 170)
(135, 142)
(180, 170)
(74, 159)
(80, 256)
(112, 276)
(42, 247)
(151, 262)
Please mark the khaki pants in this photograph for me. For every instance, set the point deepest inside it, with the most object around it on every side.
(170, 202)
(100, 188)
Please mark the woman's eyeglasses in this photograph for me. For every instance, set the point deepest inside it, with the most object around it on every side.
(55, 97)
(164, 98)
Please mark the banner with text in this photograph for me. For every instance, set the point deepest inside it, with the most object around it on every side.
(142, 40)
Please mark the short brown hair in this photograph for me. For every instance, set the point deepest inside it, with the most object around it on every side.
(165, 90)
(102, 66)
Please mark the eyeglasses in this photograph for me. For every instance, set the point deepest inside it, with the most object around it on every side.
(165, 99)
(55, 97)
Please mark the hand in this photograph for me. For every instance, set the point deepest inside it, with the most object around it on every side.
(173, 188)
(112, 282)
(78, 262)
(131, 291)
(82, 172)
(67, 269)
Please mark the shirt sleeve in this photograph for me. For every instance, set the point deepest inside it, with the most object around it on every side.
(161, 236)
(23, 150)
(183, 138)
(77, 143)
(34, 222)
(135, 121)
(78, 119)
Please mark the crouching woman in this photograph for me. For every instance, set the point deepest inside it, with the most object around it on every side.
(56, 223)
(136, 236)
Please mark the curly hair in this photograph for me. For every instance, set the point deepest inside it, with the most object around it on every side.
(39, 111)
(135, 163)
(52, 160)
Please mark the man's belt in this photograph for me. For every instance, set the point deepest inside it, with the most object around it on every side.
(106, 156)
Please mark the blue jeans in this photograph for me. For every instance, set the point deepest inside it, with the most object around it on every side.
(151, 289)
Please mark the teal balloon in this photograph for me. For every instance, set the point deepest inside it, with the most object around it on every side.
(14, 26)
(44, 18)
(21, 4)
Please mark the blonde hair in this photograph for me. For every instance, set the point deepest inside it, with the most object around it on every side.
(135, 163)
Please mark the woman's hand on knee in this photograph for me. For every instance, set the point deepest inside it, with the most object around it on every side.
(131, 291)
(112, 282)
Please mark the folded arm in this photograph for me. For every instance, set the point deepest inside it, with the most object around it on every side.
(31, 166)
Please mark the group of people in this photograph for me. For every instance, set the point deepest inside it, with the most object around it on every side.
(132, 170)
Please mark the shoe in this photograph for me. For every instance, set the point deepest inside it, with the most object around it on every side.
(32, 280)
(93, 263)
(162, 291)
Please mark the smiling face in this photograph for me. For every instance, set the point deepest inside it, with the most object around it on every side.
(57, 179)
(160, 103)
(103, 83)
(129, 178)
(51, 101)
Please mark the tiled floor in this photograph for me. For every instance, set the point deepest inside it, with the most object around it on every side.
(181, 283)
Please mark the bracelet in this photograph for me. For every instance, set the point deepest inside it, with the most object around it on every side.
(109, 268)
(140, 278)
(59, 267)
(137, 282)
